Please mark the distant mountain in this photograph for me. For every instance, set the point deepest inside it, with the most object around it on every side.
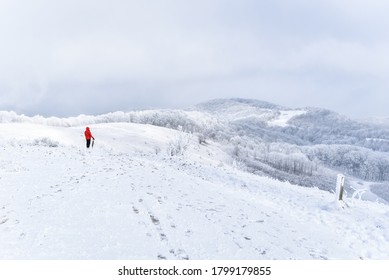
(306, 146)
(305, 126)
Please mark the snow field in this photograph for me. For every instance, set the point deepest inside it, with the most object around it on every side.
(127, 199)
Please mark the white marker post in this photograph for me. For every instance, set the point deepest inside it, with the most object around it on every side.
(339, 188)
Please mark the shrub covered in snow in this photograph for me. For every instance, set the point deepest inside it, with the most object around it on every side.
(45, 141)
(179, 144)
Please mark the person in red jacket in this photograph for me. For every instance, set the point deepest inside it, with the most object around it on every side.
(88, 137)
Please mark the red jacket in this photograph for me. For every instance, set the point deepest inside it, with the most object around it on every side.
(88, 134)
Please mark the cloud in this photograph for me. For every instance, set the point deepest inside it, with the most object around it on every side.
(96, 56)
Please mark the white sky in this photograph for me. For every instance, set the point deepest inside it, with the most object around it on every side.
(70, 57)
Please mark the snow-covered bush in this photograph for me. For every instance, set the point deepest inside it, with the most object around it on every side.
(46, 142)
(179, 144)
(239, 164)
(157, 150)
(201, 138)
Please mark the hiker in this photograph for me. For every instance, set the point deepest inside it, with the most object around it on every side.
(88, 137)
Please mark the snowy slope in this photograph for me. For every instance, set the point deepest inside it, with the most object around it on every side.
(285, 116)
(127, 199)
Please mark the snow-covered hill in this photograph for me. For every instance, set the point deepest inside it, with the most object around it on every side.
(136, 195)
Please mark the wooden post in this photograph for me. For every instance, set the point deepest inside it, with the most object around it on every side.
(340, 187)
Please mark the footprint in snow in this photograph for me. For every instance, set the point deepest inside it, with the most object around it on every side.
(180, 254)
(163, 236)
(154, 220)
(261, 251)
(136, 211)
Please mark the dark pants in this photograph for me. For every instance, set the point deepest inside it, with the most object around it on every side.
(88, 143)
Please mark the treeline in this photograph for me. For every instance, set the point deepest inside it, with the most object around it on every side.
(359, 162)
(165, 118)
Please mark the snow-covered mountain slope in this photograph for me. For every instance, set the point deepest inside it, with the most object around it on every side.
(378, 121)
(128, 198)
(284, 117)
(272, 140)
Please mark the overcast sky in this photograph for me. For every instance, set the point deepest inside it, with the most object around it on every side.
(70, 57)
